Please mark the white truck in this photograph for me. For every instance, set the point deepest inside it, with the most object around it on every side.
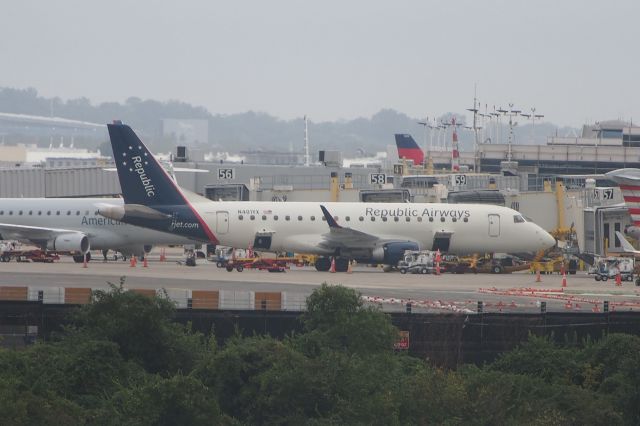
(417, 262)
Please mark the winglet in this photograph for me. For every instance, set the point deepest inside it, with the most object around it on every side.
(626, 245)
(330, 220)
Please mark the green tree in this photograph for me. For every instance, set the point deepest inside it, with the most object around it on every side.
(336, 319)
(175, 400)
(143, 329)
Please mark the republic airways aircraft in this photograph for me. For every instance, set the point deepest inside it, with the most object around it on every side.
(73, 224)
(367, 232)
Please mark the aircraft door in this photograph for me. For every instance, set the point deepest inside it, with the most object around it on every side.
(222, 222)
(494, 225)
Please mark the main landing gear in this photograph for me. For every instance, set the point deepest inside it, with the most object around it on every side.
(323, 264)
(80, 258)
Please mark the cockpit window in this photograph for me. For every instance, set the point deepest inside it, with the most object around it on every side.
(518, 219)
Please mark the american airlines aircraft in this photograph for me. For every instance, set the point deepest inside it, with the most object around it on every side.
(367, 232)
(73, 224)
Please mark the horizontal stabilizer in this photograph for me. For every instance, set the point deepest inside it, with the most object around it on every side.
(626, 245)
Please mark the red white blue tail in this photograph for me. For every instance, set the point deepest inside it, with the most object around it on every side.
(409, 149)
(629, 183)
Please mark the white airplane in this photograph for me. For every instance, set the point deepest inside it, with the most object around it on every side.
(367, 232)
(73, 224)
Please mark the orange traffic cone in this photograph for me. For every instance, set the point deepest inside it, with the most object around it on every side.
(132, 263)
(349, 269)
(144, 261)
(564, 280)
(538, 278)
(618, 279)
(333, 265)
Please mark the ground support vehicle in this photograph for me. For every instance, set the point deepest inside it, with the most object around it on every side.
(417, 262)
(29, 256)
(262, 264)
(608, 268)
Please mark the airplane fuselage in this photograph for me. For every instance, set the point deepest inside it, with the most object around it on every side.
(300, 226)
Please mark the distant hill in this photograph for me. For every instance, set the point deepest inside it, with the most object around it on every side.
(255, 130)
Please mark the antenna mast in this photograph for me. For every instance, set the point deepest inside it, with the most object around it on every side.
(476, 160)
(306, 143)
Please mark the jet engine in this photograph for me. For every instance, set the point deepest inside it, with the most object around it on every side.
(633, 231)
(392, 253)
(75, 242)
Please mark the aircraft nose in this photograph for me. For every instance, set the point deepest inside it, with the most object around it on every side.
(546, 239)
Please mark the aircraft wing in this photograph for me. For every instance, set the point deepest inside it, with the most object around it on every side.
(339, 236)
(34, 234)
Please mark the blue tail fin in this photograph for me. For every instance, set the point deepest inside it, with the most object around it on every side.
(143, 180)
(152, 198)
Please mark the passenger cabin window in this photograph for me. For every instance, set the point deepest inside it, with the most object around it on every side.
(77, 212)
(20, 212)
(58, 213)
(240, 217)
(313, 218)
(466, 219)
(442, 219)
(518, 219)
(252, 217)
(384, 218)
(68, 212)
(39, 212)
(299, 217)
(420, 219)
(396, 219)
(453, 219)
(1, 212)
(347, 218)
(430, 219)
(373, 219)
(264, 217)
(361, 218)
(10, 212)
(287, 218)
(275, 217)
(324, 219)
(408, 219)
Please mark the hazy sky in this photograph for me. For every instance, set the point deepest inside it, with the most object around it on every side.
(575, 61)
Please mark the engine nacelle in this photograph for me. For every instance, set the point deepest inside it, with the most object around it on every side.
(633, 231)
(75, 242)
(392, 253)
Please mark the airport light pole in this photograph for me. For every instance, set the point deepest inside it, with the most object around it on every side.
(512, 112)
(425, 124)
(307, 161)
(533, 116)
(476, 159)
